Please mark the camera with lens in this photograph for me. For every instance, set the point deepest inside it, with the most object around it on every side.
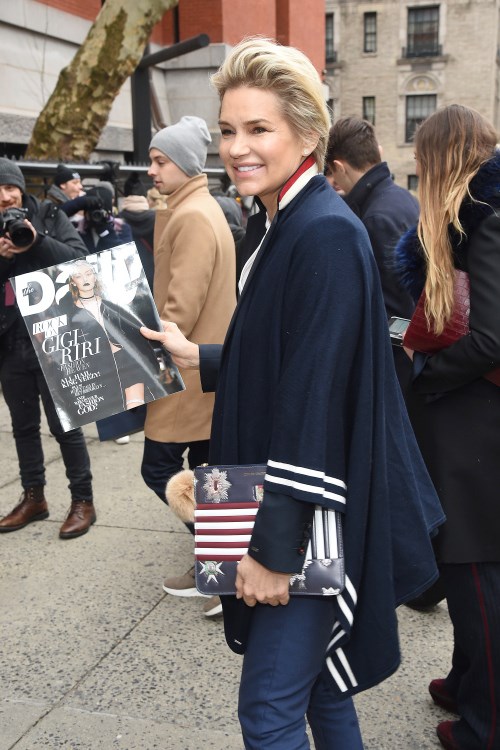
(98, 216)
(12, 223)
(99, 208)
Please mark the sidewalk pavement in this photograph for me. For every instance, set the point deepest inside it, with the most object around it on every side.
(95, 656)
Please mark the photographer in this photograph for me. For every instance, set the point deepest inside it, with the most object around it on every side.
(35, 235)
(100, 229)
(67, 185)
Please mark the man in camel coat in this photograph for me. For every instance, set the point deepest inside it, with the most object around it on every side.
(194, 286)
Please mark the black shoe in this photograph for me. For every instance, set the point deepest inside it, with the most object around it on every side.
(431, 597)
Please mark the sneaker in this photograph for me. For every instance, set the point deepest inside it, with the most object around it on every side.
(212, 607)
(123, 440)
(182, 585)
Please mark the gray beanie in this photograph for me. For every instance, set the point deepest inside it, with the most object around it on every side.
(10, 174)
(185, 143)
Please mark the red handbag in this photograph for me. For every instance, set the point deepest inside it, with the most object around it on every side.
(419, 338)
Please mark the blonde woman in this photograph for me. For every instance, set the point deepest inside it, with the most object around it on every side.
(125, 367)
(306, 384)
(455, 410)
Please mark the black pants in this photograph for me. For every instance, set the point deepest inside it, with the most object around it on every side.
(162, 460)
(473, 595)
(23, 385)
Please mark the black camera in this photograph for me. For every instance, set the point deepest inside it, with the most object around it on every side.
(98, 216)
(12, 223)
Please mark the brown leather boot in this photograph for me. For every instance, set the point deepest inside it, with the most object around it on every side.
(32, 507)
(80, 518)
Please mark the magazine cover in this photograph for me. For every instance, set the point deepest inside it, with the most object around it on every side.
(84, 318)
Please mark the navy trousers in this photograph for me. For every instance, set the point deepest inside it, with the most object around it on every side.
(160, 461)
(473, 595)
(283, 680)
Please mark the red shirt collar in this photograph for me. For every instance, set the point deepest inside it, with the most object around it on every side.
(306, 164)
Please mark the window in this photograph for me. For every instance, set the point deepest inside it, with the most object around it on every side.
(412, 182)
(369, 109)
(370, 32)
(417, 109)
(423, 32)
(331, 55)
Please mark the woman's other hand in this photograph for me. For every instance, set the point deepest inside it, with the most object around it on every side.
(184, 353)
(255, 583)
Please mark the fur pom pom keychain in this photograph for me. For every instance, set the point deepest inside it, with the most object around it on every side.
(180, 495)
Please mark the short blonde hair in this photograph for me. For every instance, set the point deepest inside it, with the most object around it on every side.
(77, 267)
(263, 63)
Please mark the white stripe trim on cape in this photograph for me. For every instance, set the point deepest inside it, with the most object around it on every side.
(307, 472)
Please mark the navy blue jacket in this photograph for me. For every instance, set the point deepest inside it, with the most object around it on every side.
(307, 385)
(117, 233)
(387, 211)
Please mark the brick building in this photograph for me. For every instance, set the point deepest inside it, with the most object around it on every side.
(39, 37)
(396, 61)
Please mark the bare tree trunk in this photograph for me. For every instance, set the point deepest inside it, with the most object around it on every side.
(71, 122)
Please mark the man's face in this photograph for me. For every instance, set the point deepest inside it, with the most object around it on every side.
(167, 176)
(72, 188)
(337, 179)
(10, 197)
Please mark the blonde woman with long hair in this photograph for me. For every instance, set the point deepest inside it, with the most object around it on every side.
(455, 409)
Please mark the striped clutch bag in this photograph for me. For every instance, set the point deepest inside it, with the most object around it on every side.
(227, 499)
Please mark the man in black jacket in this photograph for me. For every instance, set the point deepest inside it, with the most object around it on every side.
(354, 167)
(47, 237)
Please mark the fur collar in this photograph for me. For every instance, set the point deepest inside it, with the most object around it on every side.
(485, 188)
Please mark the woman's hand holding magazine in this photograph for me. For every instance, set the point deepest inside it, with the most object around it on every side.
(184, 353)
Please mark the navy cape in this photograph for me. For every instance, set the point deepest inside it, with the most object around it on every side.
(307, 385)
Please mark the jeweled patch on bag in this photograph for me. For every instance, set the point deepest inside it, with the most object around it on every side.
(216, 485)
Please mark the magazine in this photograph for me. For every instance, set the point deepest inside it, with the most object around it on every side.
(84, 318)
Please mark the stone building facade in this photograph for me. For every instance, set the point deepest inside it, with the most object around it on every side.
(395, 61)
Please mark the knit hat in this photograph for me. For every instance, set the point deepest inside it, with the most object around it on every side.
(135, 203)
(133, 185)
(103, 191)
(185, 143)
(10, 174)
(65, 174)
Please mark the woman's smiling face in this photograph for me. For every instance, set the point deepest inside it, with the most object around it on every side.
(259, 149)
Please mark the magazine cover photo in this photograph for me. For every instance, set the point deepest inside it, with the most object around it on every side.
(84, 318)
